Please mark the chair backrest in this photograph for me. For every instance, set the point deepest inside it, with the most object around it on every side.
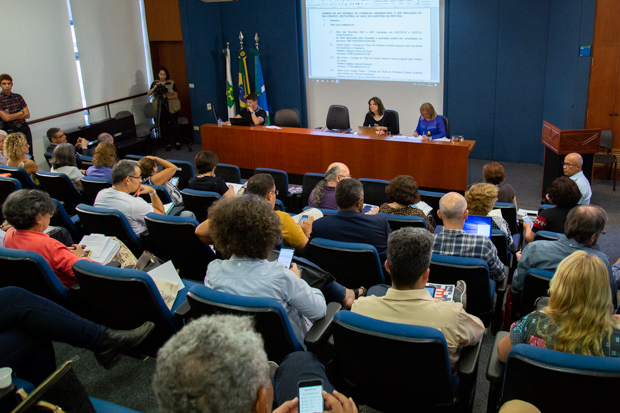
(20, 174)
(29, 270)
(446, 121)
(132, 157)
(338, 117)
(148, 111)
(287, 118)
(545, 206)
(199, 202)
(185, 171)
(404, 366)
(607, 140)
(271, 321)
(536, 284)
(7, 186)
(122, 114)
(352, 264)
(48, 158)
(446, 269)
(92, 186)
(124, 299)
(281, 179)
(498, 237)
(163, 195)
(109, 222)
(546, 236)
(62, 219)
(188, 254)
(59, 186)
(374, 191)
(309, 182)
(400, 221)
(509, 212)
(229, 173)
(530, 369)
(432, 199)
(397, 128)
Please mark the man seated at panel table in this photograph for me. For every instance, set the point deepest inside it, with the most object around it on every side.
(407, 302)
(323, 195)
(253, 113)
(452, 240)
(350, 224)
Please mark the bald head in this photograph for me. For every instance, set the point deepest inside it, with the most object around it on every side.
(572, 164)
(453, 210)
(105, 137)
(336, 172)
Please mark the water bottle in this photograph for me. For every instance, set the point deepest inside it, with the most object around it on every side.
(219, 121)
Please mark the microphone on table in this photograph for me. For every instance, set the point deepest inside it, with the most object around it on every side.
(213, 110)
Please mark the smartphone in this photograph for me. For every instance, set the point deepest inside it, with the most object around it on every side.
(303, 218)
(527, 219)
(310, 394)
(175, 180)
(286, 256)
(367, 208)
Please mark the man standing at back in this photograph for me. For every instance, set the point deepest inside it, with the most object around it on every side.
(407, 302)
(572, 168)
(452, 240)
(14, 110)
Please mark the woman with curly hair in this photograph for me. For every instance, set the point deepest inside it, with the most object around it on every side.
(404, 193)
(16, 148)
(480, 201)
(579, 317)
(103, 161)
(245, 229)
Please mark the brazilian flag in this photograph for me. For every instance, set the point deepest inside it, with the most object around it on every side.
(244, 81)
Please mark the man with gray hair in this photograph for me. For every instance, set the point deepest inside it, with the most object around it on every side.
(452, 240)
(324, 193)
(350, 224)
(2, 155)
(407, 302)
(218, 364)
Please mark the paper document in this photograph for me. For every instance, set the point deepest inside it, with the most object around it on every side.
(523, 212)
(167, 272)
(236, 187)
(426, 208)
(310, 212)
(168, 207)
(168, 291)
(414, 138)
(102, 249)
(495, 213)
(442, 140)
(272, 127)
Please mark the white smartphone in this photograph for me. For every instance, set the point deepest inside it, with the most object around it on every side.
(286, 256)
(310, 394)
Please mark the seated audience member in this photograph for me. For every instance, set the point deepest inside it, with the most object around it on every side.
(205, 163)
(579, 316)
(430, 123)
(253, 113)
(16, 149)
(126, 181)
(452, 240)
(572, 168)
(350, 224)
(30, 323)
(584, 224)
(324, 193)
(564, 194)
(150, 176)
(192, 376)
(494, 174)
(63, 161)
(245, 229)
(377, 117)
(480, 201)
(103, 161)
(3, 159)
(57, 136)
(403, 192)
(407, 302)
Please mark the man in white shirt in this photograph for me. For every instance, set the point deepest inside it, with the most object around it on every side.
(572, 168)
(407, 302)
(2, 155)
(126, 180)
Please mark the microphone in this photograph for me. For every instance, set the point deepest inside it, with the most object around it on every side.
(213, 110)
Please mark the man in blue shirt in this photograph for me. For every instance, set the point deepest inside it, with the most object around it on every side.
(572, 168)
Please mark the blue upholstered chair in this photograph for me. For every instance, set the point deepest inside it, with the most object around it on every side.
(536, 284)
(199, 202)
(161, 193)
(374, 191)
(20, 174)
(509, 212)
(62, 219)
(399, 368)
(432, 199)
(7, 186)
(109, 222)
(400, 221)
(185, 172)
(59, 186)
(92, 186)
(30, 271)
(124, 299)
(132, 157)
(547, 236)
(229, 173)
(188, 254)
(309, 182)
(553, 381)
(281, 179)
(352, 264)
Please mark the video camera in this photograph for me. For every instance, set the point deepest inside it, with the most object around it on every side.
(161, 91)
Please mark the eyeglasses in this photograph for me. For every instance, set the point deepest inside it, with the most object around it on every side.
(566, 164)
(275, 192)
(345, 176)
(134, 177)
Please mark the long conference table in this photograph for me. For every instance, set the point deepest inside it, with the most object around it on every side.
(438, 165)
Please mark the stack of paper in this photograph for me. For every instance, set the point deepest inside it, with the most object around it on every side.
(426, 208)
(168, 282)
(102, 249)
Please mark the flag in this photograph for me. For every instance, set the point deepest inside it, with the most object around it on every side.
(230, 98)
(244, 82)
(260, 86)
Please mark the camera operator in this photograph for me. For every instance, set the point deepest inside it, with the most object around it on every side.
(165, 90)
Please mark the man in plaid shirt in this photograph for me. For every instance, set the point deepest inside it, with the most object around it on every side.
(14, 110)
(452, 240)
